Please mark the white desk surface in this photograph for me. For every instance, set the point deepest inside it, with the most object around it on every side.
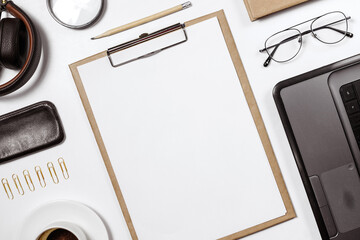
(62, 46)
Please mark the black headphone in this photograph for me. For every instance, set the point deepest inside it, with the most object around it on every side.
(20, 46)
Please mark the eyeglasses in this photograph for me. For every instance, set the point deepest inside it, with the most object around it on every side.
(329, 28)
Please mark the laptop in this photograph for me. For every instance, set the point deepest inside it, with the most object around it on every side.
(320, 113)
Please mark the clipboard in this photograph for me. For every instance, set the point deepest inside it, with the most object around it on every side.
(289, 212)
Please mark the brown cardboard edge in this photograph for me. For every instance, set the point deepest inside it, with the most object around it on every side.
(90, 115)
(254, 15)
(290, 212)
(220, 15)
(249, 10)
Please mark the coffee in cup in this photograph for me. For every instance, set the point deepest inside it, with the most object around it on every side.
(58, 234)
(62, 231)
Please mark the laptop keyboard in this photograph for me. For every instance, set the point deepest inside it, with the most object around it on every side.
(350, 94)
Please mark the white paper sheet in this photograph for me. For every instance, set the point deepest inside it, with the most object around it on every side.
(182, 141)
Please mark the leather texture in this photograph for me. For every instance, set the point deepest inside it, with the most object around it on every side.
(13, 43)
(33, 54)
(29, 129)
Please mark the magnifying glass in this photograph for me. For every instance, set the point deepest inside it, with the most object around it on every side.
(76, 14)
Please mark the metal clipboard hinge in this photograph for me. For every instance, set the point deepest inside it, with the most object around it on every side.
(144, 38)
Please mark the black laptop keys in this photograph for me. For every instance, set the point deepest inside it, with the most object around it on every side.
(350, 94)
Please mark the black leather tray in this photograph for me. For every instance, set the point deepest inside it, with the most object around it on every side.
(29, 129)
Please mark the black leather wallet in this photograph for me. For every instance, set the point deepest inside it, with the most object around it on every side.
(29, 129)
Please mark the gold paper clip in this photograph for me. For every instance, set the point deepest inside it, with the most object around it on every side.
(18, 185)
(28, 180)
(7, 188)
(63, 168)
(52, 171)
(40, 176)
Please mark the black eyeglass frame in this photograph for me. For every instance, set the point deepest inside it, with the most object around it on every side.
(345, 33)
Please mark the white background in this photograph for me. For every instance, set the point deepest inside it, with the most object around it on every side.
(53, 81)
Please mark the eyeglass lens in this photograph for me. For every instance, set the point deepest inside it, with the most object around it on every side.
(330, 28)
(284, 45)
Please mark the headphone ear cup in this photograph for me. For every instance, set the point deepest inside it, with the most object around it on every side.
(13, 43)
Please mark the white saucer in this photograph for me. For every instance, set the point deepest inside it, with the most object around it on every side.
(67, 211)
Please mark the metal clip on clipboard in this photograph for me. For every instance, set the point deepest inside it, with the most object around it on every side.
(134, 50)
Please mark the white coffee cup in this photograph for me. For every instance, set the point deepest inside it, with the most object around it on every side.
(73, 228)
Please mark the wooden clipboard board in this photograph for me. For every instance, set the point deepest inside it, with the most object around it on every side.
(290, 213)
